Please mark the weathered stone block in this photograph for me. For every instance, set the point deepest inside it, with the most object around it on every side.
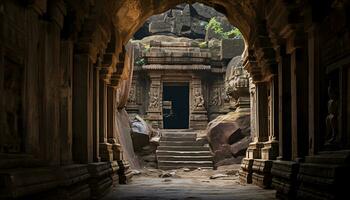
(284, 179)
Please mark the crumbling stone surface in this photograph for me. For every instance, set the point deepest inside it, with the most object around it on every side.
(187, 20)
(229, 135)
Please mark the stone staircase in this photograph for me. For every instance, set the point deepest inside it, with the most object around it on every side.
(179, 148)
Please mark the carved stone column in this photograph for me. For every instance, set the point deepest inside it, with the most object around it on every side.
(261, 168)
(111, 131)
(299, 103)
(105, 149)
(66, 64)
(154, 110)
(198, 115)
(133, 106)
(82, 108)
(270, 150)
(96, 114)
(284, 102)
(261, 126)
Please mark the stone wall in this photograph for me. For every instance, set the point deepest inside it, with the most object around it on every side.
(164, 59)
(61, 63)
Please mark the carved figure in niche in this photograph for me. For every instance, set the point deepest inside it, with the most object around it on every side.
(216, 99)
(132, 95)
(154, 100)
(198, 103)
(332, 137)
(237, 82)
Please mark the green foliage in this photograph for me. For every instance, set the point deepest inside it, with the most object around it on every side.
(218, 29)
(203, 45)
(140, 61)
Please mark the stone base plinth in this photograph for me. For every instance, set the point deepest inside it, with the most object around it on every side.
(155, 118)
(262, 173)
(125, 174)
(324, 176)
(246, 171)
(106, 153)
(114, 174)
(254, 150)
(199, 120)
(117, 152)
(68, 182)
(100, 179)
(284, 179)
(270, 150)
(133, 109)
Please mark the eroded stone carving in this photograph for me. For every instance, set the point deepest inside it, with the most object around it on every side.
(332, 134)
(237, 82)
(132, 95)
(154, 99)
(216, 98)
(198, 101)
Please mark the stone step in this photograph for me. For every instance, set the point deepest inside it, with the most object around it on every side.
(177, 139)
(181, 164)
(184, 158)
(177, 130)
(330, 158)
(179, 143)
(180, 134)
(179, 167)
(184, 148)
(183, 153)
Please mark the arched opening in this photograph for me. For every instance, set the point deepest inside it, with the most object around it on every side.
(65, 77)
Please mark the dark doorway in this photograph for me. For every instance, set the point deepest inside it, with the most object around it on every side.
(175, 105)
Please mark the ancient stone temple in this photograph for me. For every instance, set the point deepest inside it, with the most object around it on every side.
(180, 84)
(68, 87)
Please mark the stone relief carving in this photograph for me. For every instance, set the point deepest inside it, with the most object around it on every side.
(198, 101)
(237, 84)
(216, 98)
(132, 95)
(154, 99)
(332, 133)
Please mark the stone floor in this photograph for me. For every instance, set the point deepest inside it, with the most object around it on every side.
(154, 188)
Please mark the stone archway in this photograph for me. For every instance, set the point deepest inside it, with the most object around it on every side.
(63, 64)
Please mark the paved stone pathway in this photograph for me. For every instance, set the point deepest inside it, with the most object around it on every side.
(150, 188)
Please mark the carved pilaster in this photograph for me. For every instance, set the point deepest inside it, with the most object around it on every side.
(198, 115)
(270, 150)
(154, 110)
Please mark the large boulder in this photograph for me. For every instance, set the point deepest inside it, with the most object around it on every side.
(140, 133)
(229, 136)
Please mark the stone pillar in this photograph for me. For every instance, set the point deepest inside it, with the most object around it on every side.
(314, 92)
(198, 115)
(283, 170)
(284, 102)
(261, 117)
(82, 109)
(261, 168)
(111, 131)
(133, 104)
(50, 135)
(252, 108)
(270, 150)
(299, 103)
(105, 149)
(96, 114)
(154, 110)
(66, 64)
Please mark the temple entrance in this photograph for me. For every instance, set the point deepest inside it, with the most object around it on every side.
(175, 105)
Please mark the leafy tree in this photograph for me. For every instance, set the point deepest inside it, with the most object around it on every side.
(218, 29)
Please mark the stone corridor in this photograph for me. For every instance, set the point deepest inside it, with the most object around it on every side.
(187, 188)
(66, 71)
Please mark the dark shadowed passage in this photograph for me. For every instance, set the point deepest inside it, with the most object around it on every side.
(176, 112)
